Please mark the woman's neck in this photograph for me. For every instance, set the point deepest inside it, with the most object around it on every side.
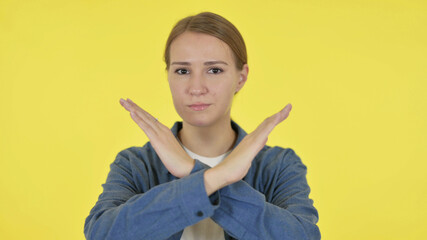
(209, 141)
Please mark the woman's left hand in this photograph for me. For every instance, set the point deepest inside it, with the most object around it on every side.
(171, 153)
(237, 164)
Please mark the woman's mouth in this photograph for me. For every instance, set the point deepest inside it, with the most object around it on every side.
(199, 107)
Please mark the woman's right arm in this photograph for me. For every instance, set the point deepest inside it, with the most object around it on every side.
(121, 212)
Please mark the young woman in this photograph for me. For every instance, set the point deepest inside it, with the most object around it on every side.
(205, 178)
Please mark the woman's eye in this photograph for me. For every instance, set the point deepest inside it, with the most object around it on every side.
(178, 71)
(216, 70)
(182, 71)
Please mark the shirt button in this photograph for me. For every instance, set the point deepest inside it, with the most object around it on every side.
(199, 213)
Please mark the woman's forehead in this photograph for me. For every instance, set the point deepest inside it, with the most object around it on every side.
(198, 47)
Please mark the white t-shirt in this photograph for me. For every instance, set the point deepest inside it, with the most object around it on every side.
(206, 229)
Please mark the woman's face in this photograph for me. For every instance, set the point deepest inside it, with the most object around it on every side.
(202, 71)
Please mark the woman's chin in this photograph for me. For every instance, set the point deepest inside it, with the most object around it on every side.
(198, 121)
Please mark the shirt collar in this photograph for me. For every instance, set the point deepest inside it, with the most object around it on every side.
(240, 132)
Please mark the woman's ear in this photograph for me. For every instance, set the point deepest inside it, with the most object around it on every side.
(243, 77)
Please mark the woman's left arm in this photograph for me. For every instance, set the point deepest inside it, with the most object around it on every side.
(244, 212)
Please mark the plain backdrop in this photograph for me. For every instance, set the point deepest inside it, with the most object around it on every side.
(354, 72)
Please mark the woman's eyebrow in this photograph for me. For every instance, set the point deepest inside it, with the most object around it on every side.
(206, 63)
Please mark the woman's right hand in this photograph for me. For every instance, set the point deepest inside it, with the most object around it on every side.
(167, 147)
(236, 165)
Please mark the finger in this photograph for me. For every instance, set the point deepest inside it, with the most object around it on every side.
(284, 113)
(144, 115)
(146, 127)
(139, 118)
(265, 128)
(279, 117)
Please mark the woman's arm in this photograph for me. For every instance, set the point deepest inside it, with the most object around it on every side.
(121, 212)
(244, 212)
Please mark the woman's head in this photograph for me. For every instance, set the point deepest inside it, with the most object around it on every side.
(214, 25)
(206, 63)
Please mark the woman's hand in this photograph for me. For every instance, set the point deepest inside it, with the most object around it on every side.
(236, 165)
(173, 156)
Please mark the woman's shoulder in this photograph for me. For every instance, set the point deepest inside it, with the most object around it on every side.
(270, 164)
(136, 153)
(277, 155)
(140, 157)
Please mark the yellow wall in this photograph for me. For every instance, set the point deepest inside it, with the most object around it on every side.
(354, 71)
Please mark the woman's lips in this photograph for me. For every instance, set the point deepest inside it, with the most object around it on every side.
(199, 107)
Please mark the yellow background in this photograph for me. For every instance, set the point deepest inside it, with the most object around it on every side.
(354, 71)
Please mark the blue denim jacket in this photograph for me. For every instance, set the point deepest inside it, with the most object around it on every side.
(142, 200)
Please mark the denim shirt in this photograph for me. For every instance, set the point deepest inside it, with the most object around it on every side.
(142, 200)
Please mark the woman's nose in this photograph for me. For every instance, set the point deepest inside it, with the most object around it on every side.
(197, 85)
